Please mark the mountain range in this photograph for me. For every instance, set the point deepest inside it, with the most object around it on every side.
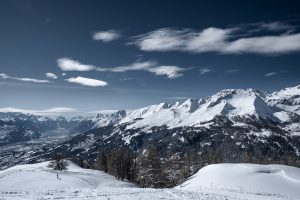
(233, 125)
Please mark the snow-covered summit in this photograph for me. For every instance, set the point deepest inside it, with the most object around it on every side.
(287, 99)
(108, 118)
(287, 92)
(230, 103)
(280, 106)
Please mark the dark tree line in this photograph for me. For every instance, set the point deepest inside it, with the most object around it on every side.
(147, 168)
(120, 163)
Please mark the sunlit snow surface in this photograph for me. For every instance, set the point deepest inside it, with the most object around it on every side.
(215, 182)
(248, 178)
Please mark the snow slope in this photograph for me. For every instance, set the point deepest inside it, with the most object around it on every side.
(39, 176)
(37, 182)
(265, 179)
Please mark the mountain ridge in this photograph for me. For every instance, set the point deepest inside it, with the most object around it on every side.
(232, 123)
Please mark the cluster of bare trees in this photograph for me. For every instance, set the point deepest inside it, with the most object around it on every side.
(120, 163)
(147, 168)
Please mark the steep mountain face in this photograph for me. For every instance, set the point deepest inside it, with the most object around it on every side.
(234, 125)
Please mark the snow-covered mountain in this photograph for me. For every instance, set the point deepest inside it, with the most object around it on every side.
(287, 99)
(235, 124)
(103, 118)
(280, 106)
(245, 103)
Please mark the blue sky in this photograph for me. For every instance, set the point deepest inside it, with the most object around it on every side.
(93, 55)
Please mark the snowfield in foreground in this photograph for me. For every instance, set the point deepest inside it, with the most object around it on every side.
(250, 178)
(214, 182)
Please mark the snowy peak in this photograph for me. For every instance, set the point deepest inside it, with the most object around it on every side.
(287, 92)
(241, 102)
(190, 105)
(229, 103)
(287, 99)
(233, 104)
(108, 118)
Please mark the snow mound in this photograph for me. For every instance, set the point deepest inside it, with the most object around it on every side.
(41, 177)
(251, 178)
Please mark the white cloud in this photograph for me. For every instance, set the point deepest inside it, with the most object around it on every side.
(4, 76)
(68, 64)
(87, 81)
(132, 67)
(51, 75)
(265, 44)
(107, 36)
(171, 72)
(204, 70)
(51, 111)
(168, 39)
(64, 74)
(150, 66)
(275, 26)
(270, 74)
(219, 40)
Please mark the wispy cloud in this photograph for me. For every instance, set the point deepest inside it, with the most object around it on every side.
(132, 67)
(51, 111)
(87, 81)
(204, 70)
(68, 64)
(225, 41)
(275, 26)
(51, 75)
(107, 36)
(270, 74)
(171, 72)
(4, 76)
(275, 73)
